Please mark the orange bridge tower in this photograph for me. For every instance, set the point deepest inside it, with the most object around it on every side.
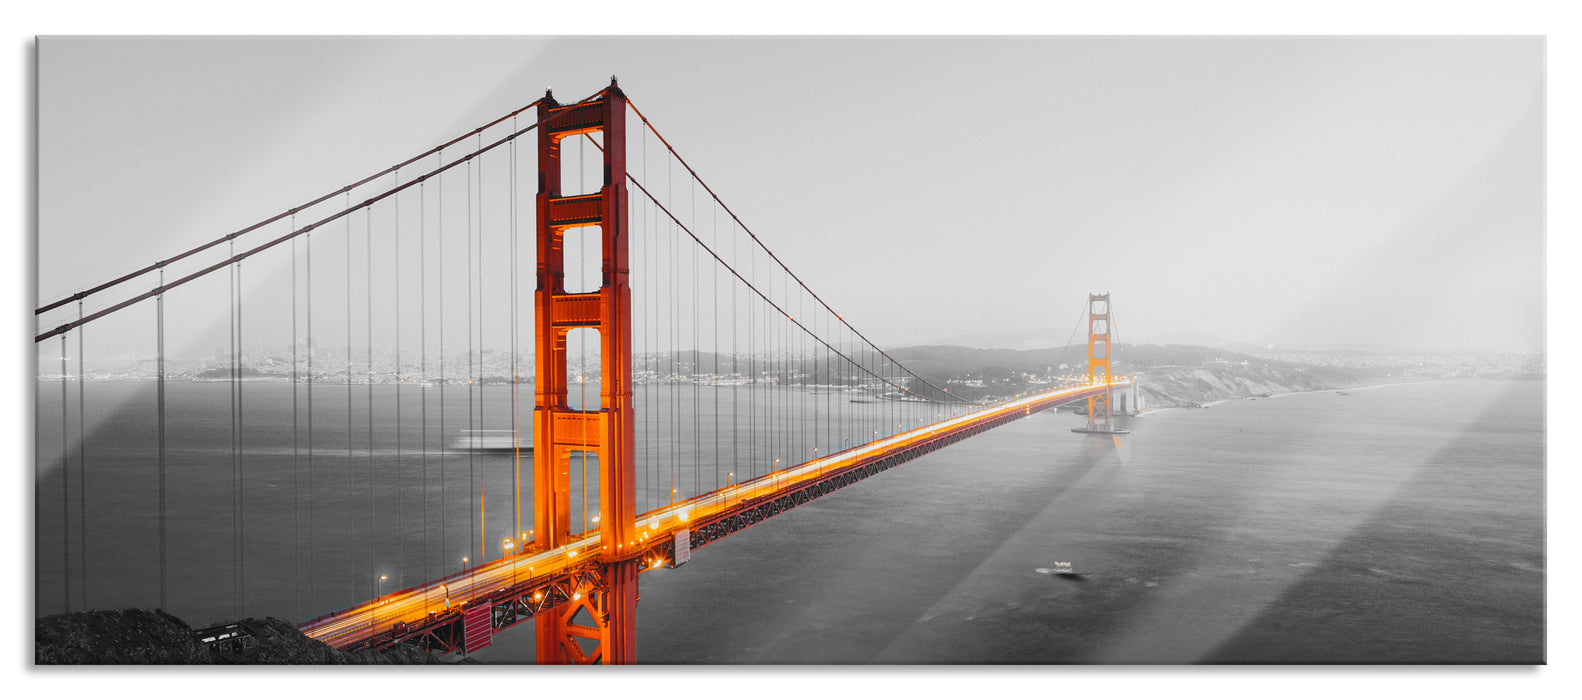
(598, 625)
(1099, 351)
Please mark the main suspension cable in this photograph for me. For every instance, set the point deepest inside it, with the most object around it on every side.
(764, 296)
(289, 212)
(760, 243)
(299, 232)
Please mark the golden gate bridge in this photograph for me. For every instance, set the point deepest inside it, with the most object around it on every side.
(685, 385)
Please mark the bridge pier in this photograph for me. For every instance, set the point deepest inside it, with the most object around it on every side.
(597, 625)
(1128, 401)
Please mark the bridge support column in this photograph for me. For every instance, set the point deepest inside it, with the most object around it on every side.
(596, 627)
(1099, 352)
(1099, 360)
(607, 432)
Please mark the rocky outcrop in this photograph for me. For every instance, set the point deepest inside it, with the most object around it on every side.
(156, 637)
(1191, 386)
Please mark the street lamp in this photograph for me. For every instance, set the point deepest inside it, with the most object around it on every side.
(373, 623)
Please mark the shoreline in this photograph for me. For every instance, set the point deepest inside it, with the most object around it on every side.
(1365, 387)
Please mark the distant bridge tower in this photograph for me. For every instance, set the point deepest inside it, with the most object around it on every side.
(1099, 350)
(608, 596)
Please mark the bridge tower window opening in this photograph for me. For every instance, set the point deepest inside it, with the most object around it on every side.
(582, 255)
(580, 152)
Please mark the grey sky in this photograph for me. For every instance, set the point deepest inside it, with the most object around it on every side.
(1264, 190)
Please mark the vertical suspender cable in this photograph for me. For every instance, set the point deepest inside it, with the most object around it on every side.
(582, 285)
(641, 502)
(240, 486)
(716, 393)
(516, 436)
(736, 376)
(422, 358)
(296, 522)
(159, 389)
(400, 480)
(443, 380)
(65, 485)
(650, 345)
(675, 333)
(307, 247)
(82, 461)
(652, 266)
(697, 344)
(236, 552)
(788, 434)
(483, 507)
(351, 477)
(368, 267)
(38, 491)
(752, 367)
(472, 432)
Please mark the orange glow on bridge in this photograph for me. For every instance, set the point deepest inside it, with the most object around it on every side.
(559, 574)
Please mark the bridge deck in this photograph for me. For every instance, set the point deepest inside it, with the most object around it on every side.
(521, 586)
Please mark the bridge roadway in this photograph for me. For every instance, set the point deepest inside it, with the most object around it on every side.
(517, 587)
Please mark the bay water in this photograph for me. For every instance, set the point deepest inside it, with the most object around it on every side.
(1402, 523)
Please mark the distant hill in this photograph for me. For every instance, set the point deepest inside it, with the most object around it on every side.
(955, 361)
(1172, 375)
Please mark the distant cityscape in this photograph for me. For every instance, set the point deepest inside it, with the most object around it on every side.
(330, 365)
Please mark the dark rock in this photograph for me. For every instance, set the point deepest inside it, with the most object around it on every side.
(156, 637)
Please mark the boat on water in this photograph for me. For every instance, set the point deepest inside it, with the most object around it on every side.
(1062, 569)
(490, 441)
